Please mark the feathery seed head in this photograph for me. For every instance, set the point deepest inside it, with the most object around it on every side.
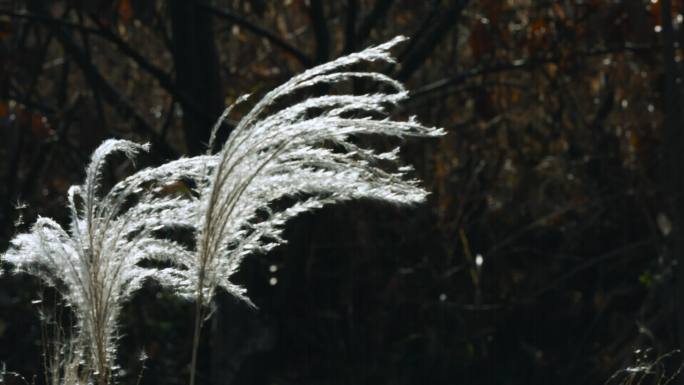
(309, 154)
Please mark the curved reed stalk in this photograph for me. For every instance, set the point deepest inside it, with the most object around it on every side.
(285, 157)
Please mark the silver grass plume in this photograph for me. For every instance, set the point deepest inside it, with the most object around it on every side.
(276, 164)
(305, 154)
(96, 264)
(281, 162)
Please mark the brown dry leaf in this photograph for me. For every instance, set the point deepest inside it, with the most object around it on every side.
(125, 10)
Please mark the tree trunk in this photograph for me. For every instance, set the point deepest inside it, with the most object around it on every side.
(197, 71)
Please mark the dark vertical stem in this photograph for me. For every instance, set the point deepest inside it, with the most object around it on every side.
(350, 26)
(88, 54)
(320, 28)
(196, 333)
(197, 70)
(198, 80)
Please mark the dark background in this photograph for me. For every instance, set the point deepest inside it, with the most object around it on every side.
(563, 168)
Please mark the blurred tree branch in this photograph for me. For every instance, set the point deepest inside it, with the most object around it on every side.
(445, 83)
(371, 20)
(103, 31)
(426, 40)
(259, 31)
(110, 93)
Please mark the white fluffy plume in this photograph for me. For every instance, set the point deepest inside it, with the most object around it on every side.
(282, 159)
(96, 264)
(306, 153)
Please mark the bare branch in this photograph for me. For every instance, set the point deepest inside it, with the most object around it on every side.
(165, 81)
(371, 20)
(446, 83)
(259, 31)
(110, 93)
(424, 45)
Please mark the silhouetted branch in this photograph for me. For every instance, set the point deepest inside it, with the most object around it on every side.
(350, 42)
(165, 81)
(163, 78)
(594, 260)
(48, 20)
(445, 83)
(420, 31)
(259, 31)
(371, 20)
(87, 52)
(111, 94)
(424, 45)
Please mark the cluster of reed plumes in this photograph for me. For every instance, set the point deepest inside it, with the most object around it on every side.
(279, 161)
